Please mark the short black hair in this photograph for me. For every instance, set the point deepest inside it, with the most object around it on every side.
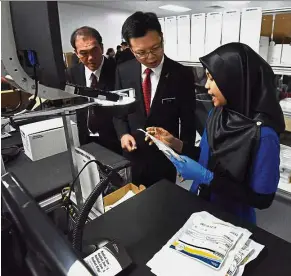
(118, 47)
(86, 31)
(123, 43)
(139, 23)
(109, 50)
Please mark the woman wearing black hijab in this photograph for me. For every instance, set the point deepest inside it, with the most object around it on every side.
(239, 160)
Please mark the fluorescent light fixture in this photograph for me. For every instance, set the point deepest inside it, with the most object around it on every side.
(174, 8)
(237, 3)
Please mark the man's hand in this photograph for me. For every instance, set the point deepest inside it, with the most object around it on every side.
(165, 137)
(128, 143)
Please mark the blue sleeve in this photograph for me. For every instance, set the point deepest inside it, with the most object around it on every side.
(266, 172)
(203, 159)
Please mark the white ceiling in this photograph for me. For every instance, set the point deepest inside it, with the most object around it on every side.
(196, 6)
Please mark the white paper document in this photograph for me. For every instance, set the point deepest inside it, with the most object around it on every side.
(162, 147)
(183, 37)
(230, 26)
(127, 196)
(213, 31)
(250, 29)
(198, 28)
(171, 37)
(206, 246)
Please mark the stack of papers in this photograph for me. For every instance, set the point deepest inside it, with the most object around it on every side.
(127, 196)
(285, 168)
(206, 246)
(286, 106)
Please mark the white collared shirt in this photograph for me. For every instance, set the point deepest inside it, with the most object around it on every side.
(97, 73)
(155, 77)
(88, 75)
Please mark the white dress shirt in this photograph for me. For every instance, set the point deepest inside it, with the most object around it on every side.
(97, 73)
(155, 77)
(88, 75)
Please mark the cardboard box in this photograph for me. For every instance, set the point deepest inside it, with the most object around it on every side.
(120, 193)
(46, 138)
(287, 123)
(286, 54)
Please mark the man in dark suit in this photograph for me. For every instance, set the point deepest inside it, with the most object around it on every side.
(166, 93)
(125, 54)
(94, 71)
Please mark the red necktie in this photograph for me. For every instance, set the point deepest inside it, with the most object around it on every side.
(147, 88)
(93, 120)
(94, 81)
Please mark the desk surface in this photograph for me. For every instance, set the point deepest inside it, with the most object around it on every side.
(144, 223)
(41, 178)
(46, 177)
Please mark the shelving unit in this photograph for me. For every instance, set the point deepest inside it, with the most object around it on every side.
(278, 70)
(284, 189)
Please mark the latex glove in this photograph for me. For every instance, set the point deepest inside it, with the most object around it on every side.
(165, 137)
(191, 170)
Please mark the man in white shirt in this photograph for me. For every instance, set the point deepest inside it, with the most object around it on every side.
(166, 93)
(95, 71)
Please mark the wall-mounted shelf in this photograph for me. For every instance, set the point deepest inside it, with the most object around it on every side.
(278, 70)
(282, 70)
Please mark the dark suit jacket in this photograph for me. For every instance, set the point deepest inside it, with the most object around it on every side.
(76, 75)
(124, 56)
(174, 100)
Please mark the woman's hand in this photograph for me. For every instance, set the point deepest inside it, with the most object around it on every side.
(165, 137)
(191, 170)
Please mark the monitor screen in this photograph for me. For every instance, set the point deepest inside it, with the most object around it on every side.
(36, 30)
(44, 249)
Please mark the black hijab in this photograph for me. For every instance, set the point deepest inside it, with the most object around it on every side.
(248, 83)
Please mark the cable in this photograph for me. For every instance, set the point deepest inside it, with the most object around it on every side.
(33, 61)
(67, 199)
(2, 127)
(82, 218)
(104, 168)
(74, 181)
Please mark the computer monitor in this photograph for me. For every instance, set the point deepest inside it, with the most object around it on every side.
(46, 252)
(33, 26)
(36, 27)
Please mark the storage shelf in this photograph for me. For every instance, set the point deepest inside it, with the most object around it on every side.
(278, 70)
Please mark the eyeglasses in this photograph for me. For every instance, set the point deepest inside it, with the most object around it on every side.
(155, 51)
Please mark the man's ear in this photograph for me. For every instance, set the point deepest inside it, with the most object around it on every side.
(162, 37)
(102, 48)
(76, 53)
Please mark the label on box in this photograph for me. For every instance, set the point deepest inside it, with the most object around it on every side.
(108, 260)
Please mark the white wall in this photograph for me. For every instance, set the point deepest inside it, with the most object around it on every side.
(107, 21)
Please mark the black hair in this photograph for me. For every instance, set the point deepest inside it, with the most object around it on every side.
(139, 23)
(123, 43)
(86, 31)
(118, 47)
(109, 50)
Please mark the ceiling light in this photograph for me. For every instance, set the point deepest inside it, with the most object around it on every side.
(174, 8)
(237, 3)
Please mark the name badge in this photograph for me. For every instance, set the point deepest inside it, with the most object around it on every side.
(168, 100)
